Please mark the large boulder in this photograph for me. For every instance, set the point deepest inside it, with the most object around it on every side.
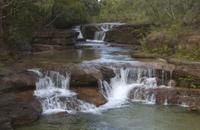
(17, 104)
(18, 82)
(90, 94)
(85, 75)
(18, 108)
(127, 33)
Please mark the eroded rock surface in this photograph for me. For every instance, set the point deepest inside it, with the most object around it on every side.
(90, 94)
(53, 39)
(18, 109)
(18, 106)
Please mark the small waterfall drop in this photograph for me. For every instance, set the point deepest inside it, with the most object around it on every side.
(78, 30)
(166, 102)
(52, 90)
(99, 36)
(104, 27)
(134, 83)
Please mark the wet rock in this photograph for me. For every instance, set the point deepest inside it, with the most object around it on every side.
(179, 96)
(17, 102)
(90, 94)
(89, 30)
(85, 76)
(17, 82)
(172, 83)
(172, 96)
(88, 75)
(107, 73)
(19, 108)
(139, 93)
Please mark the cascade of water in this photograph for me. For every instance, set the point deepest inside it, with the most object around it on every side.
(52, 90)
(104, 27)
(99, 35)
(166, 102)
(78, 30)
(136, 82)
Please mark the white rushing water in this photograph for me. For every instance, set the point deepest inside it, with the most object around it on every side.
(78, 30)
(130, 84)
(127, 80)
(100, 35)
(52, 90)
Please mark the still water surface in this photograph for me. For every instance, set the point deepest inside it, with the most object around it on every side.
(131, 117)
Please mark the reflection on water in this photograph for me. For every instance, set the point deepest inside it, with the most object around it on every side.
(71, 55)
(81, 52)
(132, 117)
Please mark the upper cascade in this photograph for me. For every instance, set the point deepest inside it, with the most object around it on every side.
(100, 34)
(78, 30)
(103, 28)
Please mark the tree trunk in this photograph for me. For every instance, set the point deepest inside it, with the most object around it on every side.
(1, 24)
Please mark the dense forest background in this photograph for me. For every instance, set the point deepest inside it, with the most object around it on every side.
(20, 19)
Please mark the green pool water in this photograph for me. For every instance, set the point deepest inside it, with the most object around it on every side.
(131, 117)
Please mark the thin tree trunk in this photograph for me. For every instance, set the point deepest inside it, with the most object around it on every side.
(1, 23)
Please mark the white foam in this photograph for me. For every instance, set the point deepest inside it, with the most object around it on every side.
(52, 90)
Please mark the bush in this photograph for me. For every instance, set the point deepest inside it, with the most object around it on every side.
(157, 11)
(25, 17)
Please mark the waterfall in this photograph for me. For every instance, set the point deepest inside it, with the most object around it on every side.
(136, 83)
(99, 36)
(166, 102)
(52, 90)
(129, 84)
(78, 30)
(104, 27)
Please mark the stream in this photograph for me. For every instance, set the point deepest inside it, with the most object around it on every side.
(62, 110)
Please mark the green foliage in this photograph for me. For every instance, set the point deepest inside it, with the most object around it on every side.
(189, 54)
(167, 44)
(157, 11)
(188, 81)
(122, 10)
(68, 13)
(25, 17)
(139, 33)
(73, 12)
